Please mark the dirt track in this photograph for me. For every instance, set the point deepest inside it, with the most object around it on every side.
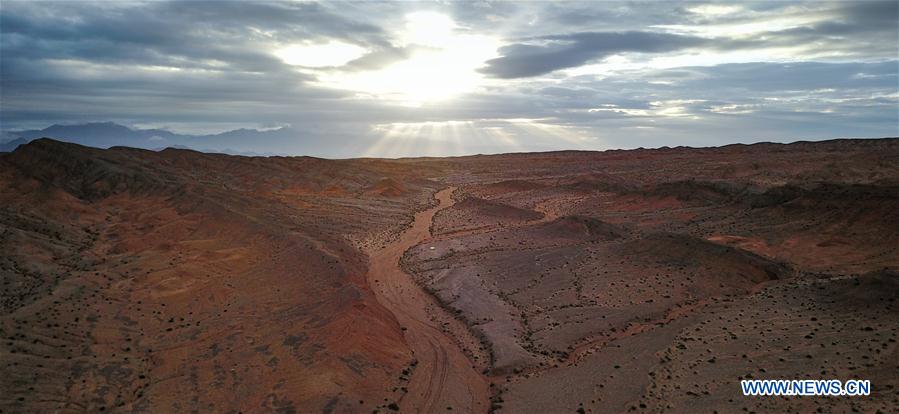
(444, 376)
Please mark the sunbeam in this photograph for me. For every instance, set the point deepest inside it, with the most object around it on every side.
(402, 139)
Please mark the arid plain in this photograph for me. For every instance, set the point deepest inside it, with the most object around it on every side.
(605, 282)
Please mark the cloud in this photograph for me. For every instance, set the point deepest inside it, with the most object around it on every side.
(780, 78)
(550, 53)
(203, 35)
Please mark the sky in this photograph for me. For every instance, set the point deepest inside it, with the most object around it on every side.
(452, 78)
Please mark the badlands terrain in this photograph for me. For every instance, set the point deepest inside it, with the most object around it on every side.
(605, 282)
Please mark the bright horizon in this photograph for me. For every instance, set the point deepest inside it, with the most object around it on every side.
(442, 79)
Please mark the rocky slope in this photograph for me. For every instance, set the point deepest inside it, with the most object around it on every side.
(179, 281)
(645, 280)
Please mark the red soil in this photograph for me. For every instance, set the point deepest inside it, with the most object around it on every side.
(646, 280)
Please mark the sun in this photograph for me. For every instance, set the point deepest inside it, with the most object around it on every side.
(442, 64)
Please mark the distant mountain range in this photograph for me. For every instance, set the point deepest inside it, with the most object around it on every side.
(110, 134)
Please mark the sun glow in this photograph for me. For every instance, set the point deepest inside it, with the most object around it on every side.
(715, 9)
(428, 29)
(441, 65)
(402, 139)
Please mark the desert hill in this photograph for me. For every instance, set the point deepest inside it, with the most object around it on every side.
(176, 280)
(645, 280)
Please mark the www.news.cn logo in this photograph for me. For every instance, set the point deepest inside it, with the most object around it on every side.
(806, 387)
